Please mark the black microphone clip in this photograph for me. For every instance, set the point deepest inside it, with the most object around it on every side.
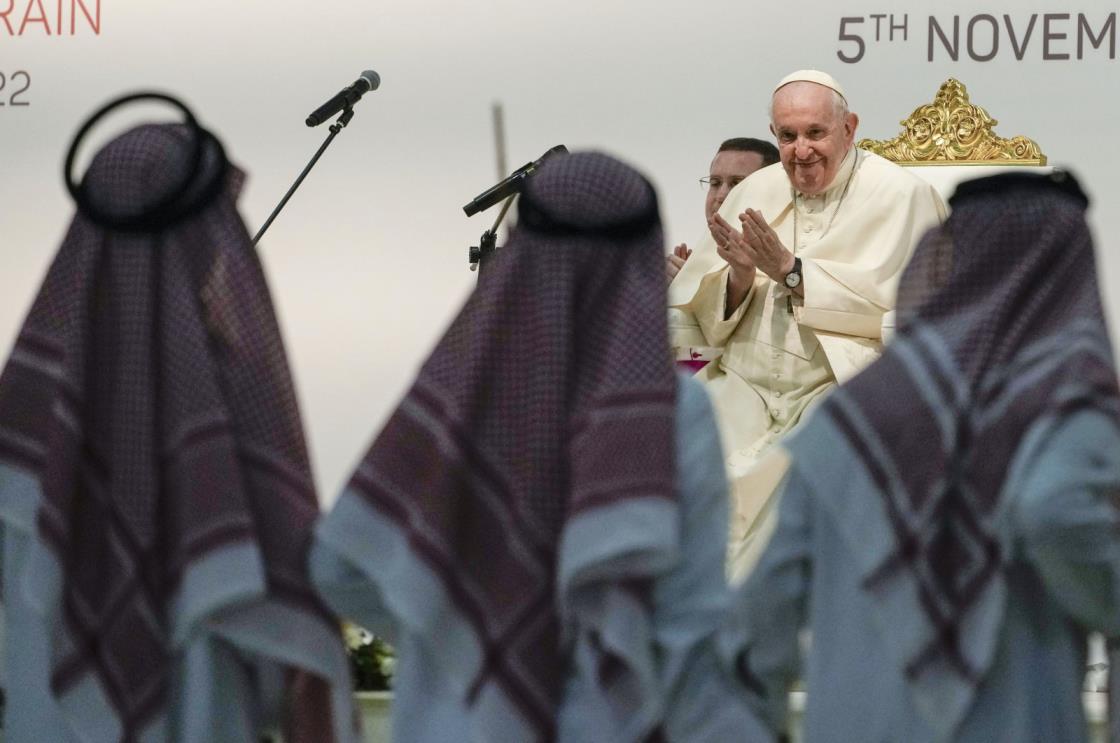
(345, 98)
(510, 185)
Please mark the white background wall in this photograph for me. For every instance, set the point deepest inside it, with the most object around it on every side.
(368, 262)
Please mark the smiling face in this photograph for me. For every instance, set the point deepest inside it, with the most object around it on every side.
(814, 132)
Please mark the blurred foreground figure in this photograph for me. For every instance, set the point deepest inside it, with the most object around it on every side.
(949, 527)
(155, 493)
(540, 527)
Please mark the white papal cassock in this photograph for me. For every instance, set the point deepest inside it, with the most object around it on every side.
(781, 353)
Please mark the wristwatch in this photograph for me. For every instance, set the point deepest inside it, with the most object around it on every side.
(793, 278)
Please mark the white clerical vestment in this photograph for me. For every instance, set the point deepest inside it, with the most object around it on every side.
(781, 353)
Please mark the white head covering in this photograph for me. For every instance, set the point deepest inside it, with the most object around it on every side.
(812, 76)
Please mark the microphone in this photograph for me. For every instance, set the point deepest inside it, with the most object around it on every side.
(348, 96)
(511, 185)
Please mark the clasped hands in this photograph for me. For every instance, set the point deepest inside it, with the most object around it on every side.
(754, 247)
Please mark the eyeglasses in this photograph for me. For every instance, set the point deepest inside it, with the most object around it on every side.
(709, 182)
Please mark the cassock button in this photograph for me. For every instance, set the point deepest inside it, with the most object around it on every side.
(778, 394)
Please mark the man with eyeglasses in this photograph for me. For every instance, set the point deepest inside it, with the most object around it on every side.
(735, 160)
(791, 288)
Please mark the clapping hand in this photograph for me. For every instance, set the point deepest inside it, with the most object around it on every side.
(674, 261)
(764, 247)
(732, 246)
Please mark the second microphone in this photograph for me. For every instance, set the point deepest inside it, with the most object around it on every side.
(348, 96)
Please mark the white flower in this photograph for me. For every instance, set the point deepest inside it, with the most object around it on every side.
(355, 636)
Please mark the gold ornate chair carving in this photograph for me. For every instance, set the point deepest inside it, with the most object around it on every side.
(955, 135)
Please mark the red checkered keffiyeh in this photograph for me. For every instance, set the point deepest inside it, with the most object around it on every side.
(148, 396)
(542, 419)
(999, 327)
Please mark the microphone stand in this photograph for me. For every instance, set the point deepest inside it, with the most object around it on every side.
(339, 124)
(479, 254)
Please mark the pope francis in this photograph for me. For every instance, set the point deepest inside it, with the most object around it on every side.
(792, 285)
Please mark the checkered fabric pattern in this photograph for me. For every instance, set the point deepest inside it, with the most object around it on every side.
(999, 326)
(149, 392)
(551, 394)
